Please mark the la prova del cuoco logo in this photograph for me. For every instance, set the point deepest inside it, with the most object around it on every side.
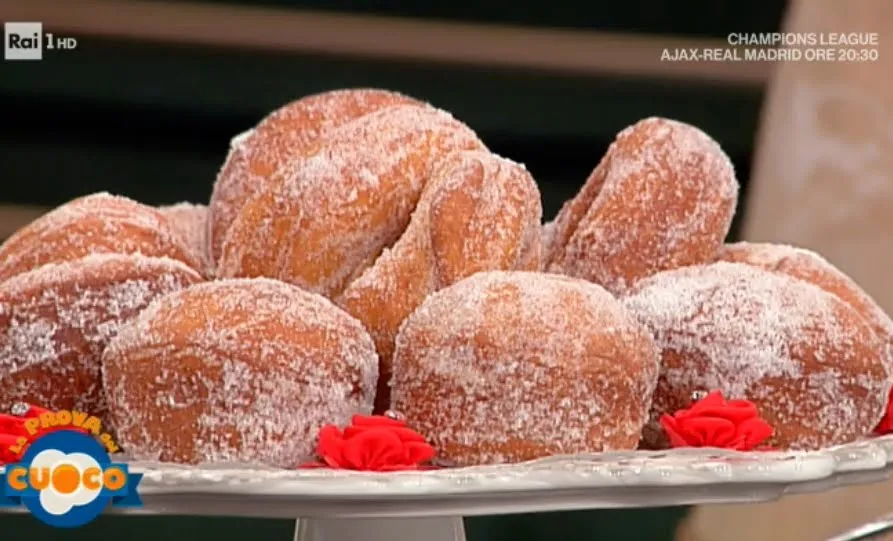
(66, 477)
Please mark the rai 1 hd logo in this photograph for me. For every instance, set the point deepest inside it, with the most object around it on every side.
(66, 479)
(27, 41)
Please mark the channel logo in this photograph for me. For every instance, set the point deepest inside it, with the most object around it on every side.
(27, 41)
(23, 41)
(66, 479)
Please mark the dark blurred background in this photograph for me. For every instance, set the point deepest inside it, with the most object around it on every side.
(146, 105)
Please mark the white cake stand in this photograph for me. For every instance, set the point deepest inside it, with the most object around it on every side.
(341, 506)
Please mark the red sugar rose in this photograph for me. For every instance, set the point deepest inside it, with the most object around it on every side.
(716, 422)
(14, 437)
(886, 424)
(372, 443)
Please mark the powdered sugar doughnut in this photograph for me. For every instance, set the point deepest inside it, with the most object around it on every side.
(663, 197)
(811, 267)
(812, 365)
(288, 132)
(98, 223)
(478, 212)
(237, 371)
(56, 320)
(512, 366)
(190, 222)
(333, 212)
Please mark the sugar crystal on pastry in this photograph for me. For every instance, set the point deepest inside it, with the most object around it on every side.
(512, 366)
(813, 366)
(244, 370)
(56, 320)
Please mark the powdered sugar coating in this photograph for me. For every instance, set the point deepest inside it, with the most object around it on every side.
(813, 268)
(98, 223)
(484, 213)
(663, 197)
(548, 238)
(55, 322)
(811, 364)
(285, 134)
(237, 371)
(478, 212)
(190, 222)
(510, 366)
(333, 212)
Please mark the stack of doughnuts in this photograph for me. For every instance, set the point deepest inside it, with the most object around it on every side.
(363, 251)
(385, 201)
(68, 282)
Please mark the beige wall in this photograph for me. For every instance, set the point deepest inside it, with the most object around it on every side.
(823, 180)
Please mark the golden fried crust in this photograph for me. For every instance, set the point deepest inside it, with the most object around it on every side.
(286, 134)
(572, 212)
(237, 371)
(811, 267)
(99, 223)
(513, 366)
(55, 322)
(335, 211)
(813, 366)
(478, 212)
(663, 197)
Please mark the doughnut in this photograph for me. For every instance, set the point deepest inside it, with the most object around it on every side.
(811, 364)
(663, 197)
(330, 216)
(98, 223)
(811, 267)
(190, 223)
(237, 371)
(511, 366)
(287, 133)
(478, 212)
(56, 320)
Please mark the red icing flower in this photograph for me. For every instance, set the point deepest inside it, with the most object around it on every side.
(14, 437)
(716, 422)
(886, 424)
(372, 443)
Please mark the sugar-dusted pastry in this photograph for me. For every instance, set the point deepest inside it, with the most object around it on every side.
(98, 223)
(237, 371)
(56, 320)
(810, 267)
(662, 197)
(513, 366)
(478, 212)
(812, 365)
(332, 213)
(287, 133)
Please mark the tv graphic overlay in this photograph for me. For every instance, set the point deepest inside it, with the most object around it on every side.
(66, 479)
(23, 41)
(784, 47)
(27, 41)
